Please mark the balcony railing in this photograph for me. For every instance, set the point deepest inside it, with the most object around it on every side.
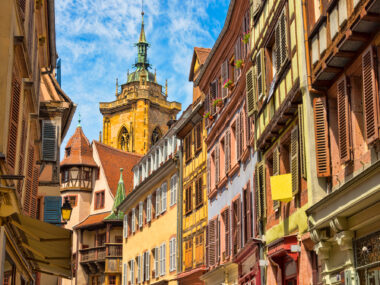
(114, 250)
(93, 254)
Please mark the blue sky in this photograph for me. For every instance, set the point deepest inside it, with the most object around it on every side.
(95, 41)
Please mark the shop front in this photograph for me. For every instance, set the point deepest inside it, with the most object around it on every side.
(248, 264)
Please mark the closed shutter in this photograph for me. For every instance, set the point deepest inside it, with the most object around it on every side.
(207, 106)
(214, 94)
(250, 91)
(143, 267)
(237, 71)
(217, 240)
(207, 246)
(141, 205)
(52, 209)
(249, 213)
(283, 29)
(164, 197)
(21, 158)
(227, 230)
(208, 176)
(260, 73)
(238, 225)
(217, 166)
(321, 137)
(125, 226)
(228, 150)
(224, 77)
(242, 129)
(294, 163)
(133, 220)
(277, 45)
(125, 276)
(238, 137)
(49, 141)
(257, 192)
(163, 252)
(301, 129)
(13, 122)
(149, 209)
(147, 260)
(261, 188)
(370, 96)
(343, 120)
(158, 202)
(156, 262)
(276, 171)
(212, 243)
(138, 269)
(29, 183)
(34, 198)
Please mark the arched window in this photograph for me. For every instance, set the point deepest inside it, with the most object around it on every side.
(156, 135)
(124, 139)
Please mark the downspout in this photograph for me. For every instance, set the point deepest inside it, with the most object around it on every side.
(261, 253)
(179, 209)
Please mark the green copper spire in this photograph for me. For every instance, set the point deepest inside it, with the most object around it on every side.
(142, 49)
(120, 196)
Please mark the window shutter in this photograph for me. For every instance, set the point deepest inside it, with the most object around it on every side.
(242, 129)
(125, 276)
(224, 77)
(164, 197)
(277, 46)
(257, 192)
(13, 122)
(147, 265)
(49, 141)
(217, 240)
(140, 214)
(171, 190)
(249, 213)
(238, 137)
(228, 151)
(208, 176)
(164, 259)
(227, 230)
(133, 220)
(301, 130)
(207, 245)
(260, 188)
(321, 137)
(250, 91)
(281, 39)
(343, 120)
(125, 228)
(21, 158)
(158, 202)
(370, 96)
(217, 166)
(149, 209)
(138, 269)
(294, 164)
(156, 262)
(214, 94)
(260, 73)
(52, 209)
(212, 242)
(276, 171)
(132, 271)
(238, 225)
(142, 267)
(237, 71)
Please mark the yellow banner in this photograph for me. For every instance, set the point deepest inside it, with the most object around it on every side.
(281, 186)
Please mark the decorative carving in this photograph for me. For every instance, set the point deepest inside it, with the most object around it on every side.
(124, 139)
(323, 250)
(338, 224)
(344, 239)
(156, 135)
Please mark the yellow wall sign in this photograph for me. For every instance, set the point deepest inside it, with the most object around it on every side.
(281, 186)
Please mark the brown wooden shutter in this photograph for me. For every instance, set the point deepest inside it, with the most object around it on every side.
(370, 96)
(217, 166)
(22, 5)
(214, 95)
(257, 192)
(227, 230)
(301, 130)
(217, 240)
(237, 71)
(34, 197)
(294, 163)
(212, 242)
(208, 176)
(250, 91)
(228, 151)
(207, 246)
(242, 128)
(224, 77)
(247, 130)
(21, 158)
(249, 213)
(277, 46)
(284, 37)
(321, 137)
(261, 188)
(28, 194)
(260, 73)
(238, 225)
(238, 137)
(233, 227)
(207, 106)
(276, 171)
(343, 120)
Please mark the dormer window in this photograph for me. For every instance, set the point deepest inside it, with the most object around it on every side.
(68, 151)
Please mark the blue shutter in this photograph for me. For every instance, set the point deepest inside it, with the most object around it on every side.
(52, 209)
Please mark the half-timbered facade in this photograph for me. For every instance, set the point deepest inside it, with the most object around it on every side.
(230, 155)
(343, 47)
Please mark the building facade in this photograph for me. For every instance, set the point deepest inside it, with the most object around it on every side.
(194, 199)
(138, 117)
(230, 156)
(90, 181)
(31, 130)
(343, 42)
(151, 216)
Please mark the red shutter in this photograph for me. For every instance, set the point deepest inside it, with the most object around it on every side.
(242, 129)
(370, 96)
(227, 230)
(249, 212)
(321, 137)
(28, 194)
(238, 137)
(227, 154)
(343, 121)
(238, 225)
(217, 166)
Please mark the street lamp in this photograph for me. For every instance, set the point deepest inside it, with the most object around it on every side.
(66, 210)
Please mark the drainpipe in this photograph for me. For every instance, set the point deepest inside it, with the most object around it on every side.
(261, 253)
(179, 208)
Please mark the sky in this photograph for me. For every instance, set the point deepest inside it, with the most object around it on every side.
(95, 41)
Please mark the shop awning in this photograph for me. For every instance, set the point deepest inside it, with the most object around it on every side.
(48, 247)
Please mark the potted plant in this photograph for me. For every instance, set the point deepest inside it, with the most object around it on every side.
(209, 116)
(246, 37)
(218, 103)
(239, 63)
(228, 84)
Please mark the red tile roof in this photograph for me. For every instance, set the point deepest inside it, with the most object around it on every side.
(202, 54)
(112, 160)
(80, 152)
(93, 220)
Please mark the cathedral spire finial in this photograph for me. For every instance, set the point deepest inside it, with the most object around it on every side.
(79, 120)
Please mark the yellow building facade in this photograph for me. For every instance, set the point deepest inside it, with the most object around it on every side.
(150, 217)
(138, 117)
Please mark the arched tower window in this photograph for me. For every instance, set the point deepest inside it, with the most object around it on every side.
(124, 139)
(156, 135)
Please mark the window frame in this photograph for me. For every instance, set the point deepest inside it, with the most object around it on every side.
(102, 193)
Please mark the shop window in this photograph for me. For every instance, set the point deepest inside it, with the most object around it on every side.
(99, 200)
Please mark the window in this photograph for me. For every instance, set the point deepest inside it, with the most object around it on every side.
(173, 189)
(65, 176)
(189, 253)
(86, 175)
(111, 279)
(99, 200)
(198, 137)
(139, 269)
(125, 226)
(141, 208)
(158, 202)
(238, 56)
(164, 202)
(163, 259)
(149, 209)
(49, 140)
(188, 147)
(199, 192)
(118, 239)
(100, 239)
(133, 220)
(188, 204)
(225, 229)
(156, 262)
(68, 151)
(199, 246)
(173, 252)
(247, 204)
(72, 200)
(236, 226)
(132, 271)
(147, 266)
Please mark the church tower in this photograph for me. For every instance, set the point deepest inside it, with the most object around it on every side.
(139, 115)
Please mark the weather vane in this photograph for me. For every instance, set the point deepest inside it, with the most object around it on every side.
(142, 7)
(79, 120)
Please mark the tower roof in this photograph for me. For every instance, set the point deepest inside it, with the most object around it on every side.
(120, 196)
(78, 150)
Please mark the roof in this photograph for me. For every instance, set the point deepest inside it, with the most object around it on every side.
(119, 198)
(112, 160)
(201, 54)
(93, 220)
(80, 150)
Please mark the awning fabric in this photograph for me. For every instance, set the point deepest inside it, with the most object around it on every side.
(281, 186)
(49, 246)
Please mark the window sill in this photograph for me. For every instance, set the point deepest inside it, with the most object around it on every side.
(222, 182)
(245, 155)
(212, 193)
(234, 170)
